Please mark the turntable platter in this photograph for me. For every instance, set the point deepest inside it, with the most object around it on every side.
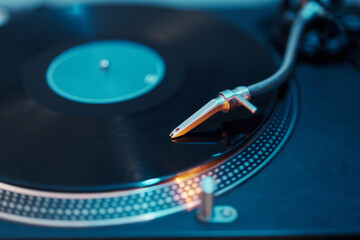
(56, 143)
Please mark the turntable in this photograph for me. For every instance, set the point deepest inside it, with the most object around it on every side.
(90, 94)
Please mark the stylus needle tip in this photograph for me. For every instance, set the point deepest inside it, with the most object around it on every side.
(213, 106)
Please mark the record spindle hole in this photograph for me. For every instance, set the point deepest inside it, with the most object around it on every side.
(104, 64)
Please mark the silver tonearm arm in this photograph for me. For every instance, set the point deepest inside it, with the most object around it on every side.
(230, 99)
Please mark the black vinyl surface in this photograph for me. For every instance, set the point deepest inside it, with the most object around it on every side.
(48, 142)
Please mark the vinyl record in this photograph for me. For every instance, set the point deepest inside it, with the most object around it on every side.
(55, 143)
